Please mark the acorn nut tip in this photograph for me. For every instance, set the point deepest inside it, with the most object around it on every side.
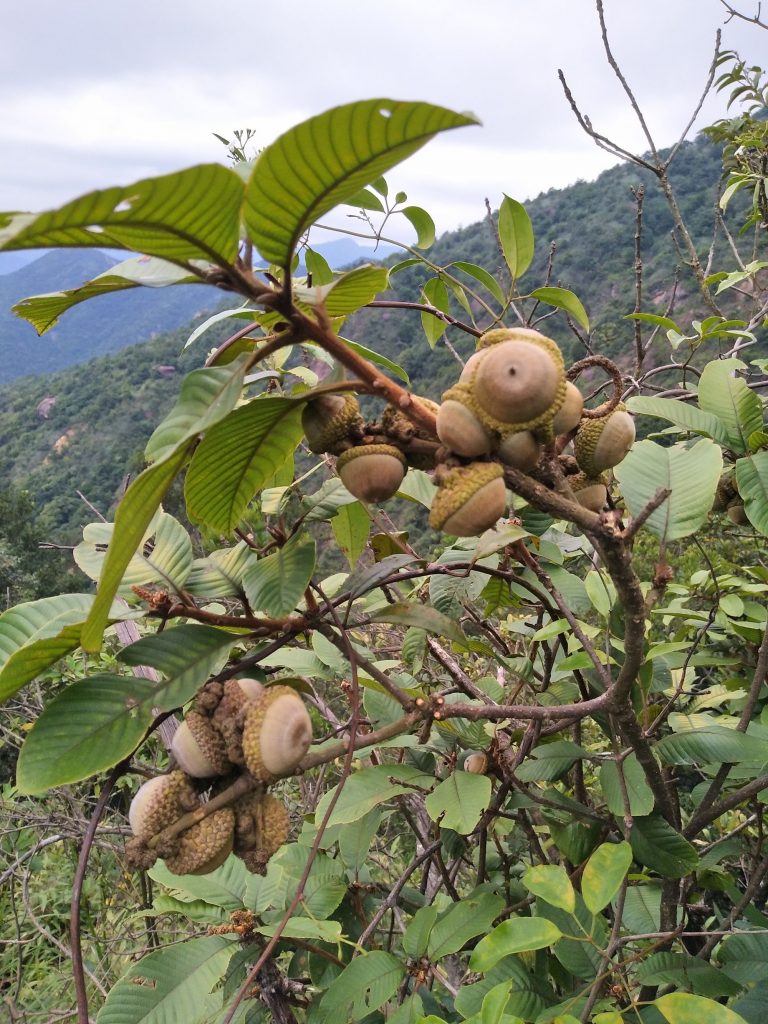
(469, 500)
(372, 472)
(277, 733)
(461, 431)
(199, 748)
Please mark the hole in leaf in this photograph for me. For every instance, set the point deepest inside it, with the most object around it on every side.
(97, 229)
(385, 112)
(124, 206)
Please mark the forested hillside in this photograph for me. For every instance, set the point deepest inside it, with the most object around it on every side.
(84, 428)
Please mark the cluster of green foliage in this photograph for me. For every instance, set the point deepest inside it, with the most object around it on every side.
(608, 863)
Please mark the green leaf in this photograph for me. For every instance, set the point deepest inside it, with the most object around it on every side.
(604, 872)
(365, 200)
(752, 482)
(133, 515)
(367, 788)
(745, 956)
(686, 972)
(713, 744)
(562, 298)
(43, 311)
(584, 935)
(657, 845)
(362, 987)
(35, 635)
(481, 275)
(682, 414)
(416, 935)
(422, 224)
(549, 761)
(178, 983)
(729, 398)
(317, 266)
(458, 801)
(343, 295)
(187, 655)
(516, 236)
(517, 935)
(237, 457)
(450, 593)
(526, 999)
(551, 883)
(276, 584)
(368, 577)
(206, 397)
(641, 799)
(192, 214)
(435, 294)
(325, 160)
(422, 617)
(91, 726)
(682, 1008)
(691, 474)
(351, 526)
(375, 357)
(471, 916)
(221, 573)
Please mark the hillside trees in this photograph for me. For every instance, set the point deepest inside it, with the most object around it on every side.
(533, 785)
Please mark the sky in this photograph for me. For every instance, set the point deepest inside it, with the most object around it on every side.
(96, 93)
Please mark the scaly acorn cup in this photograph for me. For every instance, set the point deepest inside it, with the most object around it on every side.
(159, 802)
(469, 500)
(396, 424)
(603, 443)
(199, 748)
(228, 716)
(519, 384)
(272, 827)
(459, 428)
(520, 450)
(331, 423)
(205, 846)
(372, 472)
(276, 734)
(591, 493)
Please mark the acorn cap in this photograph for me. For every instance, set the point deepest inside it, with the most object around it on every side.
(227, 719)
(460, 430)
(277, 733)
(205, 846)
(160, 802)
(603, 443)
(199, 748)
(520, 450)
(591, 493)
(272, 831)
(372, 472)
(520, 381)
(395, 423)
(330, 422)
(568, 415)
(469, 500)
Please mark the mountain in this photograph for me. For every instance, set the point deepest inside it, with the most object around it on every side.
(111, 322)
(84, 428)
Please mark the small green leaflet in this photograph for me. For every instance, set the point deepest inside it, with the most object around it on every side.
(516, 236)
(459, 801)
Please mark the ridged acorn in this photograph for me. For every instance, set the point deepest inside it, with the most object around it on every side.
(159, 802)
(469, 500)
(602, 443)
(372, 472)
(277, 733)
(331, 422)
(199, 748)
(205, 846)
(568, 415)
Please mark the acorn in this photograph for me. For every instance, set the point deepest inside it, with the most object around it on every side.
(372, 472)
(520, 380)
(272, 827)
(396, 424)
(205, 846)
(159, 802)
(591, 493)
(476, 762)
(199, 748)
(568, 415)
(459, 428)
(725, 493)
(736, 513)
(227, 719)
(471, 365)
(331, 422)
(603, 443)
(469, 500)
(520, 450)
(277, 733)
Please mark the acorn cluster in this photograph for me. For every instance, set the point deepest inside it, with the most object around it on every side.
(232, 728)
(512, 398)
(728, 500)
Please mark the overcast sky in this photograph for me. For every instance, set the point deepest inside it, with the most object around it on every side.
(102, 92)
